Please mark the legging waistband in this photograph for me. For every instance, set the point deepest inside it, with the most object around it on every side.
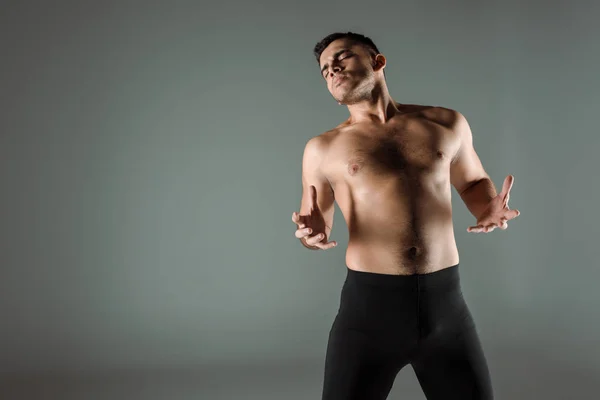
(443, 278)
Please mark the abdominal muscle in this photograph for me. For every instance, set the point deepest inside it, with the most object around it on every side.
(400, 228)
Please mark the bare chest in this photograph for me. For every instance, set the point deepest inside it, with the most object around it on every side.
(413, 150)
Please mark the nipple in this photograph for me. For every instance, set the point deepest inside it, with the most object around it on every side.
(354, 166)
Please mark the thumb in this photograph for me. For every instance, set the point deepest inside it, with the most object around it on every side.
(507, 185)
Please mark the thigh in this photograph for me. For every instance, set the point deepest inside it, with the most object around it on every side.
(454, 367)
(354, 370)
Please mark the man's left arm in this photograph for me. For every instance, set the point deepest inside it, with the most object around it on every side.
(474, 185)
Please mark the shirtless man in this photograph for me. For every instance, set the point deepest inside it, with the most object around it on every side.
(389, 166)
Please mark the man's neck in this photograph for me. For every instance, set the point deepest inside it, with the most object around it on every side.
(380, 108)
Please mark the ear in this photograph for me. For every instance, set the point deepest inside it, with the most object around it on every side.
(379, 62)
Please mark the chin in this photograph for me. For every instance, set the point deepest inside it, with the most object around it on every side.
(346, 101)
(342, 99)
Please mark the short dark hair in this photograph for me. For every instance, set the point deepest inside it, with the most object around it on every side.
(356, 38)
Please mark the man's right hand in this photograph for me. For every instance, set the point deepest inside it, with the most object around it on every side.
(311, 227)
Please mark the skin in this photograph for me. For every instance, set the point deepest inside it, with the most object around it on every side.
(390, 168)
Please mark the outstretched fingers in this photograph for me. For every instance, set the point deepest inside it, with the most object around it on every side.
(303, 232)
(482, 228)
(326, 246)
(511, 214)
(297, 220)
(507, 185)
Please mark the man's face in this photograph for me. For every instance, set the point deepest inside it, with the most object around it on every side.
(348, 70)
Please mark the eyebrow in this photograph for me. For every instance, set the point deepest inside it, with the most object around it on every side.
(334, 56)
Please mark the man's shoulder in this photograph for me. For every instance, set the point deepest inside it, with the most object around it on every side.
(319, 144)
(322, 140)
(444, 116)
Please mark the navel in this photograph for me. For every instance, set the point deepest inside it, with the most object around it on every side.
(412, 252)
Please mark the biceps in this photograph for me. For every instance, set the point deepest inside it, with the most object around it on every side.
(466, 168)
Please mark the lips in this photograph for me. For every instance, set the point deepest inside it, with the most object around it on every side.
(339, 80)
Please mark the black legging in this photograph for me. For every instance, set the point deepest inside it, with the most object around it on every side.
(388, 321)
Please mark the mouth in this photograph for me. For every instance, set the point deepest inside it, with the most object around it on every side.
(339, 80)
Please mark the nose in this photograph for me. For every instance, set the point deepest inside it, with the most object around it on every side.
(334, 69)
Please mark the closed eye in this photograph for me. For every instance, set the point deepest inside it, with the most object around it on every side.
(326, 73)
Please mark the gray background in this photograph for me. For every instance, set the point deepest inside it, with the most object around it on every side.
(151, 160)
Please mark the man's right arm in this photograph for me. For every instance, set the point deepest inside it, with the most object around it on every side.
(311, 175)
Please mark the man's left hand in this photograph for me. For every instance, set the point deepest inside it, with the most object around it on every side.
(496, 214)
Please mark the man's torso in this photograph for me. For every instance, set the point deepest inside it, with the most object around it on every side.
(392, 184)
